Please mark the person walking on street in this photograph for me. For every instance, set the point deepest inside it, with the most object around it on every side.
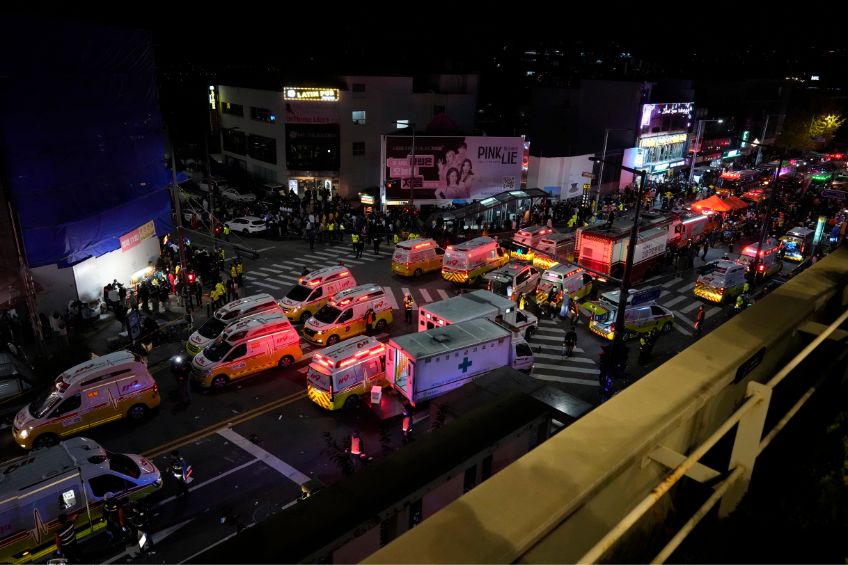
(113, 513)
(370, 318)
(66, 539)
(706, 248)
(568, 343)
(354, 239)
(181, 472)
(408, 305)
(699, 320)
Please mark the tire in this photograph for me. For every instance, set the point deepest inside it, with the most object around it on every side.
(244, 231)
(528, 333)
(352, 402)
(45, 440)
(381, 325)
(333, 339)
(305, 316)
(219, 382)
(417, 273)
(285, 361)
(667, 328)
(137, 412)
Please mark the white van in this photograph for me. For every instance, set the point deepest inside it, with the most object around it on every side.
(107, 388)
(344, 316)
(236, 310)
(571, 279)
(513, 279)
(246, 348)
(314, 290)
(467, 262)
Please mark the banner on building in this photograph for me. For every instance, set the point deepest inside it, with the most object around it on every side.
(133, 238)
(453, 168)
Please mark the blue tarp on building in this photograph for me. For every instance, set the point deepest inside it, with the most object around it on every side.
(80, 137)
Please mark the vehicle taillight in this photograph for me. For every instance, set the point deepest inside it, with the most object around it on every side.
(155, 388)
(761, 268)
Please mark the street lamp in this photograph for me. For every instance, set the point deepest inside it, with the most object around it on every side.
(697, 145)
(602, 160)
(618, 334)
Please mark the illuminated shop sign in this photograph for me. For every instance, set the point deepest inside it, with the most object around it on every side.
(677, 164)
(659, 140)
(311, 94)
(660, 168)
(650, 111)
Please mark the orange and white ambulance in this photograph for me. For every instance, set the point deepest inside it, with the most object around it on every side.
(341, 373)
(314, 290)
(467, 262)
(344, 316)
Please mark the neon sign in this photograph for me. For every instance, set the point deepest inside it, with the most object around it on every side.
(311, 94)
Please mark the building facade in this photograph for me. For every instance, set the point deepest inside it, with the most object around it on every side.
(329, 136)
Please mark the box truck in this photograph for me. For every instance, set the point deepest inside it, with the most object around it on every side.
(476, 304)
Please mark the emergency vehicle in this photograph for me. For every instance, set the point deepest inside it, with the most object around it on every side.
(314, 290)
(72, 478)
(339, 374)
(467, 262)
(526, 240)
(236, 310)
(720, 280)
(107, 388)
(246, 348)
(513, 279)
(571, 279)
(476, 304)
(344, 316)
(415, 257)
(689, 226)
(605, 250)
(797, 243)
(769, 264)
(641, 314)
(553, 248)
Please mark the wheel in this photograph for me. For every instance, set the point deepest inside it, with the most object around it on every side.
(244, 231)
(219, 382)
(417, 273)
(352, 402)
(381, 325)
(666, 328)
(137, 412)
(333, 339)
(528, 333)
(285, 361)
(45, 440)
(305, 316)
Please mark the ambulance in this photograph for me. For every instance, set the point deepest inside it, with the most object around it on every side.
(554, 248)
(638, 319)
(235, 310)
(571, 279)
(341, 373)
(314, 290)
(526, 240)
(246, 348)
(720, 280)
(107, 388)
(344, 316)
(797, 243)
(467, 262)
(415, 257)
(769, 264)
(513, 279)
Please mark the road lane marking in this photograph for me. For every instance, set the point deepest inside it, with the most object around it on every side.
(565, 368)
(686, 288)
(390, 297)
(443, 294)
(210, 481)
(681, 329)
(266, 249)
(271, 286)
(555, 347)
(425, 294)
(269, 269)
(559, 357)
(569, 380)
(546, 337)
(265, 456)
(674, 301)
(672, 282)
(551, 330)
(693, 306)
(711, 311)
(664, 293)
(681, 317)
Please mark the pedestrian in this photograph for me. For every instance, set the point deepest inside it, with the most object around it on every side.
(139, 521)
(354, 239)
(552, 302)
(370, 318)
(408, 305)
(522, 302)
(227, 232)
(198, 292)
(376, 239)
(181, 472)
(66, 539)
(568, 343)
(113, 513)
(699, 320)
(310, 235)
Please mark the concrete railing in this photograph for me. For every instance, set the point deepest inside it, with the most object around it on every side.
(593, 491)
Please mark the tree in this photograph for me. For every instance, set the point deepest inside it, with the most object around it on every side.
(796, 133)
(826, 126)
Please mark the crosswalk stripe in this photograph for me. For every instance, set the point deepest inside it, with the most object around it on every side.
(287, 280)
(268, 269)
(284, 267)
(559, 357)
(544, 322)
(566, 368)
(681, 329)
(569, 380)
(425, 294)
(711, 311)
(546, 337)
(443, 294)
(672, 282)
(681, 317)
(693, 306)
(273, 286)
(664, 293)
(674, 301)
(390, 297)
(686, 288)
(553, 330)
(555, 347)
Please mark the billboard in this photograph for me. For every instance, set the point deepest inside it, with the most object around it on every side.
(455, 167)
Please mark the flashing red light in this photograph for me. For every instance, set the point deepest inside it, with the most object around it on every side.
(761, 268)
(420, 245)
(191, 277)
(361, 298)
(449, 248)
(155, 388)
(522, 232)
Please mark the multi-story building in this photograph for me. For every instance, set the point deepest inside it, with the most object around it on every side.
(328, 135)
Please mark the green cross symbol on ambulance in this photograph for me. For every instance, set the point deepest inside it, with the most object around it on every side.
(465, 364)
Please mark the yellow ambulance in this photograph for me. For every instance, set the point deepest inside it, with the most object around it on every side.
(344, 316)
(415, 257)
(314, 290)
(340, 374)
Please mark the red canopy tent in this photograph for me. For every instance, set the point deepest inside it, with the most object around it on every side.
(713, 203)
(736, 202)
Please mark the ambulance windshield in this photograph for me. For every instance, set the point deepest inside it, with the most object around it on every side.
(217, 350)
(44, 403)
(299, 293)
(212, 328)
(328, 314)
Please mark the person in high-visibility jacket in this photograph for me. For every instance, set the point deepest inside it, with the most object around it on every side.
(396, 239)
(226, 232)
(522, 301)
(354, 239)
(740, 302)
(408, 305)
(572, 221)
(240, 270)
(233, 271)
(746, 287)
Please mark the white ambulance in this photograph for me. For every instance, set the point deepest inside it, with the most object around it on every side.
(236, 310)
(344, 316)
(526, 240)
(341, 373)
(314, 290)
(467, 262)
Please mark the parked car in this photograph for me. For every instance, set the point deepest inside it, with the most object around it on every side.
(202, 215)
(236, 196)
(18, 385)
(247, 224)
(220, 181)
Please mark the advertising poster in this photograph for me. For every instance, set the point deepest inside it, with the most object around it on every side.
(453, 168)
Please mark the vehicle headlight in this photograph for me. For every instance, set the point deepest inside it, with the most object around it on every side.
(24, 434)
(320, 332)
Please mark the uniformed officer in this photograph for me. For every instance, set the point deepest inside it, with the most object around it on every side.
(408, 305)
(113, 513)
(180, 472)
(66, 539)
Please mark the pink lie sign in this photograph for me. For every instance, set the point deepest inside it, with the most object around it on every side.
(133, 238)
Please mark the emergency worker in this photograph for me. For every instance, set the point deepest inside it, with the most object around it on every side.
(180, 471)
(113, 513)
(408, 305)
(226, 232)
(370, 318)
(66, 539)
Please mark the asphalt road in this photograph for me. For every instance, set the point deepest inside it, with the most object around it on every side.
(253, 445)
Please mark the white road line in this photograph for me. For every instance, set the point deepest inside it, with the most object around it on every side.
(566, 368)
(390, 296)
(655, 277)
(443, 294)
(711, 311)
(552, 330)
(672, 282)
(569, 380)
(675, 300)
(681, 329)
(268, 458)
(693, 306)
(287, 280)
(272, 286)
(682, 318)
(559, 357)
(210, 481)
(266, 249)
(686, 288)
(425, 294)
(544, 322)
(554, 347)
(268, 269)
(545, 337)
(284, 267)
(664, 292)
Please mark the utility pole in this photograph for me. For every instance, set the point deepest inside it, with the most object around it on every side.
(175, 193)
(29, 284)
(601, 170)
(759, 158)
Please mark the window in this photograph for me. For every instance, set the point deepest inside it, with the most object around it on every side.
(358, 148)
(657, 311)
(358, 117)
(69, 405)
(108, 483)
(262, 115)
(523, 350)
(232, 109)
(316, 294)
(235, 141)
(263, 148)
(237, 352)
(346, 315)
(358, 87)
(371, 368)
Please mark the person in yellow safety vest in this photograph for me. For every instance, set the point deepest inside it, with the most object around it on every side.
(572, 221)
(177, 271)
(226, 232)
(408, 305)
(745, 288)
(522, 301)
(240, 271)
(233, 271)
(740, 302)
(331, 227)
(222, 291)
(213, 298)
(221, 254)
(621, 206)
(354, 239)
(396, 239)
